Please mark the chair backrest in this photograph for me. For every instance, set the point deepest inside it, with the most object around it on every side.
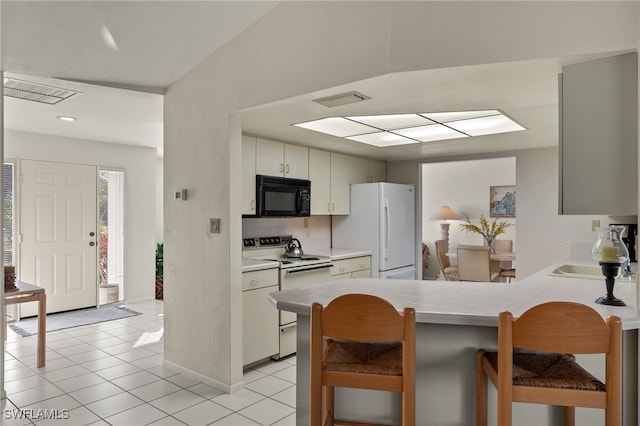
(473, 263)
(503, 246)
(441, 251)
(563, 327)
(361, 317)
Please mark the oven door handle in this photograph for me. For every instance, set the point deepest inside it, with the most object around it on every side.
(309, 268)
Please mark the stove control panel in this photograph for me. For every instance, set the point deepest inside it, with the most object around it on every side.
(262, 242)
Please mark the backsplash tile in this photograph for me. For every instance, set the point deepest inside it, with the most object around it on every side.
(316, 237)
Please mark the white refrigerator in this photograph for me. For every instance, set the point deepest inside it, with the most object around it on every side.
(382, 220)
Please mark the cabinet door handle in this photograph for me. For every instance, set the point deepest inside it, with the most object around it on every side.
(253, 204)
(254, 283)
(328, 207)
(281, 167)
(333, 207)
(287, 171)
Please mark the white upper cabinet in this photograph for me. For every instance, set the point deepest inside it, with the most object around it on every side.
(343, 170)
(279, 159)
(599, 137)
(320, 177)
(248, 175)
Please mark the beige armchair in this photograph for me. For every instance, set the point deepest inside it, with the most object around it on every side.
(449, 272)
(474, 264)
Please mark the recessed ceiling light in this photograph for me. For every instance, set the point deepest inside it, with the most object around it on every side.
(337, 126)
(431, 133)
(400, 129)
(382, 139)
(66, 118)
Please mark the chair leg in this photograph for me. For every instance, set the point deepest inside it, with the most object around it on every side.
(569, 416)
(481, 391)
(408, 408)
(328, 414)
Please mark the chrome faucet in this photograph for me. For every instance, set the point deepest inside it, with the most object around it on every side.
(626, 269)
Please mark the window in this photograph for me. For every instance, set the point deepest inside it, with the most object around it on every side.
(8, 198)
(111, 228)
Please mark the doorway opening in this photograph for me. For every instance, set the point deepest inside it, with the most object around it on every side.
(111, 241)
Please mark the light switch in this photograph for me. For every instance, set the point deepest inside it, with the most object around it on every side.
(214, 226)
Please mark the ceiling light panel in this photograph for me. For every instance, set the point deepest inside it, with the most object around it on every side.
(337, 126)
(486, 125)
(392, 121)
(443, 117)
(431, 133)
(382, 139)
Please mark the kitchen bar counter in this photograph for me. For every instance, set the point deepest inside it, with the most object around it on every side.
(454, 319)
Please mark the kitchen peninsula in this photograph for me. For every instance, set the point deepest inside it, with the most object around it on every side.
(454, 319)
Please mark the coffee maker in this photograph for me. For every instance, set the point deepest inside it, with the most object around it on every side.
(629, 238)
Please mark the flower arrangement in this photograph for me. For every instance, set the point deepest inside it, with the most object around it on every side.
(488, 230)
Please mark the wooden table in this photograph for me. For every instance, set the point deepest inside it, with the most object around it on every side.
(31, 293)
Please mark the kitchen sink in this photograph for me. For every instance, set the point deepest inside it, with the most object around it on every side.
(580, 271)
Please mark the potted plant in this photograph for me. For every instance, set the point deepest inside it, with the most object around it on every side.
(488, 230)
(159, 271)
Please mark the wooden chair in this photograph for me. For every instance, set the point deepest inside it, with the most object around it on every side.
(558, 329)
(505, 269)
(449, 272)
(474, 264)
(361, 341)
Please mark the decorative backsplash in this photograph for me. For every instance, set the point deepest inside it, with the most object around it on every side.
(314, 237)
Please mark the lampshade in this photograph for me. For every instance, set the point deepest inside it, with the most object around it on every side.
(445, 213)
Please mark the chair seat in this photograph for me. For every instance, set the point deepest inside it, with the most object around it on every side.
(510, 273)
(366, 358)
(549, 370)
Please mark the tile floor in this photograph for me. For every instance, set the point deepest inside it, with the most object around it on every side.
(105, 374)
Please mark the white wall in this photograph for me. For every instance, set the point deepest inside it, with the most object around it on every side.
(463, 186)
(140, 168)
(295, 49)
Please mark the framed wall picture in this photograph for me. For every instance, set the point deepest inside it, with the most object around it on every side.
(502, 201)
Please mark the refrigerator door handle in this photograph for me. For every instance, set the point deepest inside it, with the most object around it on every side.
(387, 223)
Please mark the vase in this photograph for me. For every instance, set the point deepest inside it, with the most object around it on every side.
(490, 241)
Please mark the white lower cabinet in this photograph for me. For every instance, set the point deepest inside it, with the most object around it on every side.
(355, 267)
(259, 317)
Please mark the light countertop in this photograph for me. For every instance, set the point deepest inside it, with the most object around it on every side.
(249, 265)
(469, 303)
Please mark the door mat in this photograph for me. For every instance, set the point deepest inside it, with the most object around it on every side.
(70, 319)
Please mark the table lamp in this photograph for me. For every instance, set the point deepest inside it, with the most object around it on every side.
(445, 213)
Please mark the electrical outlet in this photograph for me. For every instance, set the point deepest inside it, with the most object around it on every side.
(214, 226)
(595, 224)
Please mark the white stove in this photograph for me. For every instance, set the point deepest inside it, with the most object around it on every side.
(294, 272)
(273, 248)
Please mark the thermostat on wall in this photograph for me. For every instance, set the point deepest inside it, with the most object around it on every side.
(181, 195)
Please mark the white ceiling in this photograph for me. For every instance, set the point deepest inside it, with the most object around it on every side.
(122, 55)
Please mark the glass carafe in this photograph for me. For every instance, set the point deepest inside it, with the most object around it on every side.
(610, 252)
(609, 247)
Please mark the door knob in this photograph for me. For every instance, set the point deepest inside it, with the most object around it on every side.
(91, 234)
(92, 244)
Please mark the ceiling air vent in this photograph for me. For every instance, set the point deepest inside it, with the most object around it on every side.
(35, 92)
(342, 99)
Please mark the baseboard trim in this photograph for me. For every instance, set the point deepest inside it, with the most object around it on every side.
(204, 379)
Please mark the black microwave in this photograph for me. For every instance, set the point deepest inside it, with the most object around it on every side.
(282, 197)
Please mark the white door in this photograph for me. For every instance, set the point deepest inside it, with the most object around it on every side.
(58, 249)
